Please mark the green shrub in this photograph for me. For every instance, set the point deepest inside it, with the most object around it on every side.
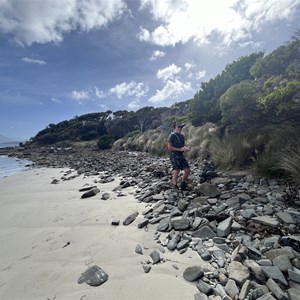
(174, 119)
(105, 142)
(132, 134)
(48, 138)
(89, 135)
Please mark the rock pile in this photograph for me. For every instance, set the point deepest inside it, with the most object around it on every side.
(241, 225)
(245, 228)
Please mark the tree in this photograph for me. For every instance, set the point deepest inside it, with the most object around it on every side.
(238, 105)
(101, 128)
(120, 114)
(205, 106)
(89, 135)
(277, 62)
(48, 138)
(144, 117)
(118, 128)
(280, 99)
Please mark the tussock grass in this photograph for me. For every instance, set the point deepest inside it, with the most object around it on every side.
(271, 151)
(151, 141)
(289, 162)
(279, 145)
(231, 152)
(266, 165)
(259, 148)
(198, 140)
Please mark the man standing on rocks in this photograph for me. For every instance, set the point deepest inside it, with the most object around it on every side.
(176, 146)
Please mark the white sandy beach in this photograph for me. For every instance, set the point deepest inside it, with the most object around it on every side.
(37, 219)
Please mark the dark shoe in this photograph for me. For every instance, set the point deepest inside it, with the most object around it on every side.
(175, 187)
(183, 185)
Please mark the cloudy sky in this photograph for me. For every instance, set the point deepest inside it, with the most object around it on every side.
(62, 58)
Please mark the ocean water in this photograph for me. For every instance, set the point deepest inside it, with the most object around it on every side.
(5, 145)
(11, 165)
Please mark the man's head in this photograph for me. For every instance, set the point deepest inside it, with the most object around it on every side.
(179, 125)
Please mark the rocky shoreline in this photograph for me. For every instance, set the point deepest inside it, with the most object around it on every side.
(245, 229)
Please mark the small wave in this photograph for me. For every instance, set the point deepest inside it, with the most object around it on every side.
(10, 166)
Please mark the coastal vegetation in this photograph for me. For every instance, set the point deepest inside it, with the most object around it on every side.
(248, 116)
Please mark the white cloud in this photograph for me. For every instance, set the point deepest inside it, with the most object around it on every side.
(169, 72)
(29, 21)
(80, 95)
(33, 61)
(99, 94)
(55, 100)
(251, 44)
(156, 54)
(132, 88)
(144, 35)
(259, 12)
(161, 36)
(171, 90)
(46, 21)
(200, 74)
(133, 105)
(188, 66)
(227, 21)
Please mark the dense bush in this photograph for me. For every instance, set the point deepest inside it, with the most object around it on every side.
(105, 142)
(48, 138)
(88, 136)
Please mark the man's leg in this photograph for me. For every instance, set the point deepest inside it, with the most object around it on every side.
(186, 173)
(175, 176)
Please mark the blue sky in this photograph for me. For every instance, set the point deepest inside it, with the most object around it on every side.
(62, 58)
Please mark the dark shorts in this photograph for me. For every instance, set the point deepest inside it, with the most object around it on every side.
(179, 162)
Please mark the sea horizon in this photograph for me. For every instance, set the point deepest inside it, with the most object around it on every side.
(9, 144)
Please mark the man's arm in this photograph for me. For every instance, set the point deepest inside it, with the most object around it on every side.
(175, 149)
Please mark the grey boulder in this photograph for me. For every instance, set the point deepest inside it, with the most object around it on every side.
(93, 276)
